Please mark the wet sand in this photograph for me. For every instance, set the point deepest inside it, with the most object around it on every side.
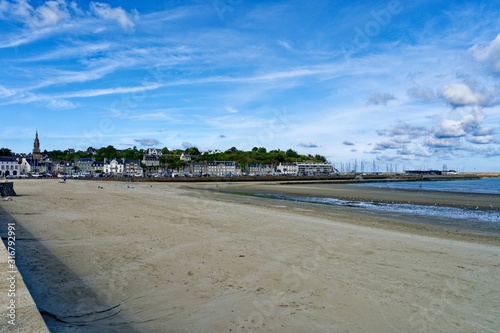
(461, 229)
(172, 257)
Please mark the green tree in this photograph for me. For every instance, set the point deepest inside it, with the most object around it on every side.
(108, 152)
(320, 158)
(5, 152)
(291, 154)
(193, 151)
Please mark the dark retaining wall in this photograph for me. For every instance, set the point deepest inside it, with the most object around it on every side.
(7, 189)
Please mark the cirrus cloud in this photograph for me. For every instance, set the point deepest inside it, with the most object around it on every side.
(117, 14)
(53, 13)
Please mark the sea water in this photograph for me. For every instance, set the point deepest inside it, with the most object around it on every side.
(484, 185)
(491, 186)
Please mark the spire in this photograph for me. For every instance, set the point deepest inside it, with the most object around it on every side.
(36, 147)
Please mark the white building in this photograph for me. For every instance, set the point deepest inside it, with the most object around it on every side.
(305, 168)
(185, 157)
(9, 166)
(30, 165)
(114, 167)
(154, 151)
(288, 169)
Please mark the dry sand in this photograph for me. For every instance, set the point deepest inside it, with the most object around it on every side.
(171, 257)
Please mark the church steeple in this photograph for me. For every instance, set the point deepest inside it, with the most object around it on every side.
(36, 148)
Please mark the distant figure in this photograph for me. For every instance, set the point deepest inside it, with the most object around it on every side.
(420, 186)
(9, 198)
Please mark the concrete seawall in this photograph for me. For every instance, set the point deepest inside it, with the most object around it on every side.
(7, 189)
(18, 310)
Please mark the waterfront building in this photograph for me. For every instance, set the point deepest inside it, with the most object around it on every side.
(133, 167)
(114, 167)
(9, 166)
(305, 168)
(259, 169)
(222, 168)
(97, 167)
(30, 165)
(84, 165)
(151, 163)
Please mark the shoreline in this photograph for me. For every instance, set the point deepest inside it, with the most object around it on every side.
(433, 226)
(374, 194)
(192, 257)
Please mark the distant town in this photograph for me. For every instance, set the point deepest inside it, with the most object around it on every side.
(161, 162)
(156, 162)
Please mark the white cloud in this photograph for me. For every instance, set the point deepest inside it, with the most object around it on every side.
(231, 110)
(308, 145)
(404, 129)
(426, 94)
(470, 126)
(460, 94)
(74, 7)
(117, 14)
(388, 145)
(57, 16)
(433, 142)
(147, 142)
(109, 91)
(4, 92)
(22, 97)
(50, 13)
(481, 139)
(488, 54)
(285, 44)
(449, 129)
(380, 98)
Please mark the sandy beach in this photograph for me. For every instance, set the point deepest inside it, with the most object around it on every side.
(176, 257)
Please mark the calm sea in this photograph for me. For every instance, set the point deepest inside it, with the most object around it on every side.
(491, 185)
(485, 185)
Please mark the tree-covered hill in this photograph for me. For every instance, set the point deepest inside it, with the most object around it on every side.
(258, 155)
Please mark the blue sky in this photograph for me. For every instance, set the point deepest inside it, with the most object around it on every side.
(413, 85)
